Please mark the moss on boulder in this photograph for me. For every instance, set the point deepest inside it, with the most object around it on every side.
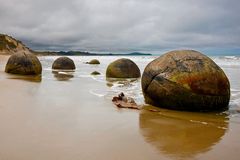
(23, 64)
(185, 80)
(123, 68)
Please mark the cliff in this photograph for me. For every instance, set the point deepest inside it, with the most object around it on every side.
(9, 45)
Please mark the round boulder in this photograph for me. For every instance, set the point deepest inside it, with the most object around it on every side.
(63, 63)
(94, 61)
(123, 68)
(23, 64)
(95, 73)
(185, 80)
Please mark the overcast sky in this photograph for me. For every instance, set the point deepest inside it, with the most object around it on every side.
(123, 25)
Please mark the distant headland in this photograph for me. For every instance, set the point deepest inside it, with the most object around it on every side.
(81, 53)
(10, 45)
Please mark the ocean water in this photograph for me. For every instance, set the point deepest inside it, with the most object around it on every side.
(230, 65)
(84, 70)
(71, 116)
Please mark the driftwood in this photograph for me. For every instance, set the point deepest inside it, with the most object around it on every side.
(121, 101)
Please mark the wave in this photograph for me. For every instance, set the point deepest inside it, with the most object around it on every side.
(227, 61)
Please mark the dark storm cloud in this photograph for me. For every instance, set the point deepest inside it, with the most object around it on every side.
(121, 25)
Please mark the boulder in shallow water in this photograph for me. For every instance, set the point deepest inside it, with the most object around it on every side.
(123, 68)
(94, 61)
(23, 64)
(185, 80)
(95, 73)
(63, 63)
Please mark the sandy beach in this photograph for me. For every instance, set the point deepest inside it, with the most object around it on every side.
(70, 118)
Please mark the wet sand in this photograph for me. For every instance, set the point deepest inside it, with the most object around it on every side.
(55, 118)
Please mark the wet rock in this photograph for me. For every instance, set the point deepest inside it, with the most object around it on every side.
(23, 64)
(95, 73)
(63, 63)
(185, 80)
(123, 68)
(94, 61)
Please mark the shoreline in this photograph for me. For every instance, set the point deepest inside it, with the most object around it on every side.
(76, 119)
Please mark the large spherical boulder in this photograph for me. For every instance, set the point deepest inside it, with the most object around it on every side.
(23, 64)
(63, 63)
(123, 68)
(94, 61)
(185, 80)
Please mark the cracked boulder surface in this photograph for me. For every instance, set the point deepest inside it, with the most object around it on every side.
(185, 80)
(63, 63)
(23, 64)
(123, 68)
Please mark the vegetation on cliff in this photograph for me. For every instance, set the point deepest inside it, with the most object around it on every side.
(9, 45)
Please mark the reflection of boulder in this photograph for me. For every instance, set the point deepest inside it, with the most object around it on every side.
(30, 78)
(121, 82)
(182, 134)
(63, 75)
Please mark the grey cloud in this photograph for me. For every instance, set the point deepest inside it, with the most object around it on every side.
(122, 25)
